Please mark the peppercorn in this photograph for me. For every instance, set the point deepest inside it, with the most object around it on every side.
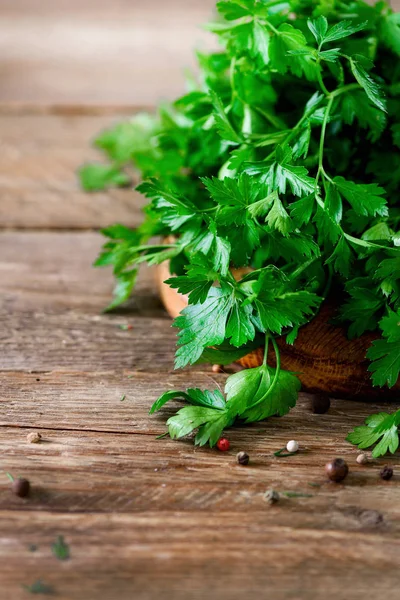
(271, 496)
(386, 473)
(292, 446)
(216, 369)
(242, 458)
(362, 459)
(34, 437)
(223, 444)
(21, 487)
(320, 404)
(337, 469)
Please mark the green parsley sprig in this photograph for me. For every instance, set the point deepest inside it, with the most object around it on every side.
(283, 158)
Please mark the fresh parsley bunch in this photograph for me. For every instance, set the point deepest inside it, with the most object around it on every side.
(283, 158)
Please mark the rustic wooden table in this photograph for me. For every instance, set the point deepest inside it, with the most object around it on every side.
(147, 518)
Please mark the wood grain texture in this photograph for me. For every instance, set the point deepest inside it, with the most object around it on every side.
(87, 52)
(157, 556)
(49, 270)
(39, 187)
(77, 400)
(154, 509)
(120, 52)
(46, 340)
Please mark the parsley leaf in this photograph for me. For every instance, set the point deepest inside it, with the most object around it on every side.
(95, 177)
(341, 30)
(297, 177)
(390, 31)
(380, 429)
(278, 217)
(365, 199)
(370, 86)
(202, 325)
(39, 587)
(385, 353)
(251, 395)
(223, 124)
(362, 307)
(289, 39)
(60, 549)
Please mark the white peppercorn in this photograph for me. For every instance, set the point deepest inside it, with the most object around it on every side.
(292, 446)
(34, 437)
(362, 459)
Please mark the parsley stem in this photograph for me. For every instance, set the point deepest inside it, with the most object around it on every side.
(153, 247)
(278, 363)
(266, 349)
(321, 82)
(344, 89)
(367, 244)
(283, 452)
(277, 369)
(232, 78)
(297, 272)
(322, 141)
(273, 119)
(331, 97)
(211, 209)
(351, 238)
(328, 282)
(272, 28)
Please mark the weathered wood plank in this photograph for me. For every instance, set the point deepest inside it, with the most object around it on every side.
(51, 302)
(157, 556)
(98, 52)
(92, 401)
(47, 340)
(90, 435)
(39, 187)
(53, 270)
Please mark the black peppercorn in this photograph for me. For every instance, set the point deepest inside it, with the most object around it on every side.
(242, 458)
(320, 404)
(386, 473)
(337, 469)
(21, 487)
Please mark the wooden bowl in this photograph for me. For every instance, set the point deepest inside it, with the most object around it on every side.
(325, 359)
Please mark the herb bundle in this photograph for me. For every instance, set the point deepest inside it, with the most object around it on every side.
(284, 158)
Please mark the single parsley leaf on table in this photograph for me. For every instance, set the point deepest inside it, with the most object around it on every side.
(39, 587)
(380, 429)
(60, 549)
(251, 395)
